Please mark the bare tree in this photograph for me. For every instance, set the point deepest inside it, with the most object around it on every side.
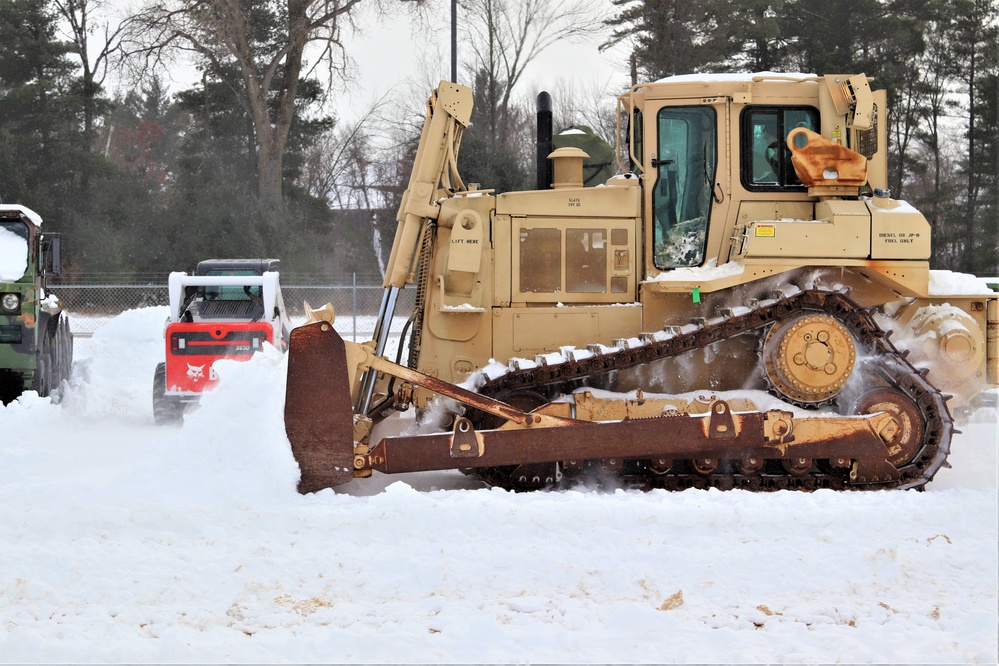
(339, 167)
(505, 36)
(592, 105)
(265, 43)
(82, 18)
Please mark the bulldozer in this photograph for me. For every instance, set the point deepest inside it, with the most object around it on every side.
(743, 306)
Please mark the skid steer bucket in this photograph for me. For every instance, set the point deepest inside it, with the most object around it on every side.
(318, 415)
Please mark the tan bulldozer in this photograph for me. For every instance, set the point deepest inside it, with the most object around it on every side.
(744, 306)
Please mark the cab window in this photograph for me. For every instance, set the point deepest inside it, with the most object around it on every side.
(685, 163)
(766, 159)
(18, 228)
(638, 129)
(233, 292)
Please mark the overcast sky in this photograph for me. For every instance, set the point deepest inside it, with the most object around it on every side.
(398, 52)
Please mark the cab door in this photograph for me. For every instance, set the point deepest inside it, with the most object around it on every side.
(686, 203)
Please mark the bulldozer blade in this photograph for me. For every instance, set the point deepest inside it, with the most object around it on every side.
(318, 415)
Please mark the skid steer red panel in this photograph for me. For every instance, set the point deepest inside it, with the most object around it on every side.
(193, 348)
(318, 415)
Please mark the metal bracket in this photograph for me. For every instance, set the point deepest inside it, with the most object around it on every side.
(465, 442)
(721, 425)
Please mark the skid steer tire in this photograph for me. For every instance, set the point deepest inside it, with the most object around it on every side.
(166, 410)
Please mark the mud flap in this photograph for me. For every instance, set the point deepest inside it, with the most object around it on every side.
(318, 415)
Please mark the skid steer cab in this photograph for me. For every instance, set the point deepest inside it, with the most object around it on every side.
(227, 310)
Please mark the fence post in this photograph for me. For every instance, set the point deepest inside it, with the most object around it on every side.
(354, 294)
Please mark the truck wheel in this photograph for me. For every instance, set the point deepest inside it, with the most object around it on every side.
(43, 368)
(64, 350)
(166, 411)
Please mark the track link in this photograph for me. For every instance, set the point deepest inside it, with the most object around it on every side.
(884, 367)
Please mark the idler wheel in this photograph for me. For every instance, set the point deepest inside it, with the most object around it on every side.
(909, 439)
(809, 359)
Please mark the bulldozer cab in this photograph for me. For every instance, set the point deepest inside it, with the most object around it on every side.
(713, 152)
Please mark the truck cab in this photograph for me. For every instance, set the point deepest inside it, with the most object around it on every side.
(36, 345)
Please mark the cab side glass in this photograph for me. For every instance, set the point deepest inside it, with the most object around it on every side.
(766, 159)
(685, 172)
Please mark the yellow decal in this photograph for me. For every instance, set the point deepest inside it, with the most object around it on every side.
(766, 231)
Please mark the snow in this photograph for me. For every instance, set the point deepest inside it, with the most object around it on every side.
(885, 205)
(464, 307)
(32, 216)
(709, 271)
(124, 542)
(13, 256)
(949, 283)
(736, 77)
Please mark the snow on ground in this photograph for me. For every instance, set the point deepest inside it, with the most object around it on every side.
(124, 542)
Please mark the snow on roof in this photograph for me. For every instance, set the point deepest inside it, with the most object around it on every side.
(13, 256)
(35, 218)
(735, 77)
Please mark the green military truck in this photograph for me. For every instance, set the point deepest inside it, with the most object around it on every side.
(36, 345)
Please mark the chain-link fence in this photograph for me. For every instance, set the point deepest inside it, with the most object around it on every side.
(356, 305)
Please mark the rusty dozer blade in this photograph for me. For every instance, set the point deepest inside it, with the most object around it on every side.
(720, 434)
(318, 415)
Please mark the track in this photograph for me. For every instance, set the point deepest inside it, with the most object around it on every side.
(893, 384)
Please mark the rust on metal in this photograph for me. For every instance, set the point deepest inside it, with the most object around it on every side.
(318, 415)
(660, 439)
(464, 443)
(470, 398)
(721, 426)
(907, 423)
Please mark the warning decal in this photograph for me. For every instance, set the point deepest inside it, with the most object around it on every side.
(766, 231)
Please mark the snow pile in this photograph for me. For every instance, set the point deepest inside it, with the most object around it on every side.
(13, 256)
(124, 542)
(709, 271)
(949, 283)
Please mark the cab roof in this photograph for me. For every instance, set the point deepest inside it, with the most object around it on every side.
(23, 211)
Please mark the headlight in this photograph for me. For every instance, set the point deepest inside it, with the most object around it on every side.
(10, 302)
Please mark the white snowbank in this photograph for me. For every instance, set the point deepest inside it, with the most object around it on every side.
(13, 256)
(124, 542)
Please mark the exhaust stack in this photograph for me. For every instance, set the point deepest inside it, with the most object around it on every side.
(544, 140)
